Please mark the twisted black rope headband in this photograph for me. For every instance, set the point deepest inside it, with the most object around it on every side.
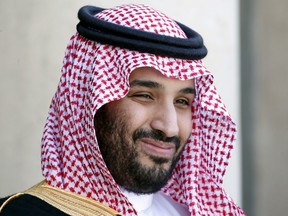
(109, 33)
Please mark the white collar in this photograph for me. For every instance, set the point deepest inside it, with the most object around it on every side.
(140, 202)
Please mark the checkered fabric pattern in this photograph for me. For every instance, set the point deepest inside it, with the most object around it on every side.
(94, 74)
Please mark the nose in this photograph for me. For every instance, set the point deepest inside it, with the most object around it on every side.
(165, 120)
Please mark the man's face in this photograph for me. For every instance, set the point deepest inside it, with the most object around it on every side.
(141, 136)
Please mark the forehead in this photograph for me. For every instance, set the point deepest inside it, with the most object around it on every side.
(151, 74)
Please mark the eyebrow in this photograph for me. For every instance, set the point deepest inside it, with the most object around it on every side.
(156, 85)
(145, 83)
(188, 90)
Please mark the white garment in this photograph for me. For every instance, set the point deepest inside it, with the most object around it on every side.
(156, 204)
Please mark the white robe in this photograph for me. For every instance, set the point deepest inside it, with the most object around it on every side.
(156, 204)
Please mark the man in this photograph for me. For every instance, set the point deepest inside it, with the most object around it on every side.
(136, 126)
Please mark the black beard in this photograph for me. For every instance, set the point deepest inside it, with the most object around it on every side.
(121, 157)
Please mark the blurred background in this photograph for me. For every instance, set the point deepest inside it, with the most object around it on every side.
(247, 52)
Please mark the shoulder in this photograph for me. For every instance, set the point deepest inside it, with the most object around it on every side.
(27, 205)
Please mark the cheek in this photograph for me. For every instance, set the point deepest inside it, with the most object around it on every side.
(136, 116)
(185, 126)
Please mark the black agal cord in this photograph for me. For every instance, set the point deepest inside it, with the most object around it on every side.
(109, 33)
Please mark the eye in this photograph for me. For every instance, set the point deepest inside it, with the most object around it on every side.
(183, 102)
(142, 96)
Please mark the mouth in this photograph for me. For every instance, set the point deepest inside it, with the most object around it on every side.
(157, 148)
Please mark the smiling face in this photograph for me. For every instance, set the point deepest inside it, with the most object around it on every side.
(141, 136)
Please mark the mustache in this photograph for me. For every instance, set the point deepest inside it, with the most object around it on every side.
(156, 135)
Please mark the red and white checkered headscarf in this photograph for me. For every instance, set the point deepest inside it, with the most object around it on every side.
(94, 74)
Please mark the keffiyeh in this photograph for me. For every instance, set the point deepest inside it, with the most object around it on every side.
(94, 74)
